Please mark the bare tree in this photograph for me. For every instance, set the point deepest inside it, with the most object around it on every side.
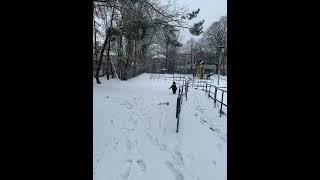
(106, 41)
(216, 36)
(132, 25)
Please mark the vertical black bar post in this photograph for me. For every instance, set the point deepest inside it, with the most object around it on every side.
(186, 91)
(221, 103)
(181, 99)
(178, 114)
(186, 96)
(215, 95)
(179, 92)
(177, 109)
(209, 90)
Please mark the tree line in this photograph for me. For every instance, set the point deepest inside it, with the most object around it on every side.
(211, 45)
(130, 28)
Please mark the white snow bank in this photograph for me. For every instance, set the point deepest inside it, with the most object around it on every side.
(134, 134)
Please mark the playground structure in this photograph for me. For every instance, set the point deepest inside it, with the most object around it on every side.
(201, 70)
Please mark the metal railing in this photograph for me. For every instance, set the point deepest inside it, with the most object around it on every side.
(183, 91)
(206, 87)
(215, 99)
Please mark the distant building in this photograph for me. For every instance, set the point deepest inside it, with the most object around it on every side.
(158, 63)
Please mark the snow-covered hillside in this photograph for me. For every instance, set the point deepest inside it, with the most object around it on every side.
(134, 135)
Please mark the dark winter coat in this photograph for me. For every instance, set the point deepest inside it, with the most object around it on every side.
(174, 87)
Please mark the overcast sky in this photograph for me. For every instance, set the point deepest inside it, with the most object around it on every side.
(210, 11)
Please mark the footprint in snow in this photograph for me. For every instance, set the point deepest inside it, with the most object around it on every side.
(129, 145)
(176, 173)
(163, 147)
(142, 165)
(126, 170)
(214, 162)
(178, 158)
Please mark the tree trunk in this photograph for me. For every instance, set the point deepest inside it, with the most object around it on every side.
(119, 47)
(112, 71)
(107, 41)
(95, 40)
(218, 58)
(126, 69)
(166, 56)
(191, 59)
(108, 58)
(100, 60)
(129, 57)
(216, 68)
(119, 56)
(109, 46)
(135, 57)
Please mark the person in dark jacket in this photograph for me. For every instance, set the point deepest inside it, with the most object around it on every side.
(174, 87)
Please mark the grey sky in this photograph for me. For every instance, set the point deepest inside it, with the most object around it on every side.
(210, 11)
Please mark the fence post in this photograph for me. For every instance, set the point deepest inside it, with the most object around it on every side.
(179, 95)
(177, 109)
(187, 84)
(181, 99)
(186, 96)
(221, 103)
(215, 95)
(209, 90)
(178, 113)
(186, 91)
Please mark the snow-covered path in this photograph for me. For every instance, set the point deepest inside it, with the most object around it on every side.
(134, 134)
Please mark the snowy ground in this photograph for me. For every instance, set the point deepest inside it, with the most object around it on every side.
(134, 135)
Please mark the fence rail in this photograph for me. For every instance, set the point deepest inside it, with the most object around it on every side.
(216, 89)
(183, 91)
(205, 86)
